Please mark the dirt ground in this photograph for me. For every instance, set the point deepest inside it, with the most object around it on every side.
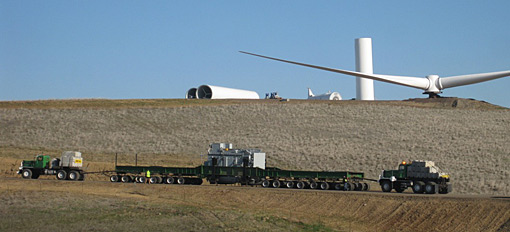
(254, 208)
(468, 139)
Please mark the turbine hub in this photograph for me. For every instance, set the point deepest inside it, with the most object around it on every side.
(434, 84)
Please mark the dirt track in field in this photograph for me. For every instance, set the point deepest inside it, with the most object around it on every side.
(344, 211)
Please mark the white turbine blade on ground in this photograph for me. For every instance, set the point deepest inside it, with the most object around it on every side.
(415, 82)
(454, 81)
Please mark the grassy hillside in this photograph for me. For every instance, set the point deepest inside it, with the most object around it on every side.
(468, 139)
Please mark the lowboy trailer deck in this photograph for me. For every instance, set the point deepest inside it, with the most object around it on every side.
(241, 166)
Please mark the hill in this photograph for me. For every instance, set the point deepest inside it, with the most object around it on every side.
(467, 138)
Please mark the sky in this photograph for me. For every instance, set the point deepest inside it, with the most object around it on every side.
(160, 49)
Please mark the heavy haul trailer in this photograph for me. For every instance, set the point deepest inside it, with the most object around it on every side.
(241, 166)
(422, 176)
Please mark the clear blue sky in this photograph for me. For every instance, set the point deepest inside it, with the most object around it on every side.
(159, 49)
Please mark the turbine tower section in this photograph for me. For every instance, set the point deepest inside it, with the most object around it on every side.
(364, 86)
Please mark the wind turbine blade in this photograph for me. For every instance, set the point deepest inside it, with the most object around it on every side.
(415, 82)
(454, 81)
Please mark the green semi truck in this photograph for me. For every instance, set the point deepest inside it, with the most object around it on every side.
(67, 167)
(422, 176)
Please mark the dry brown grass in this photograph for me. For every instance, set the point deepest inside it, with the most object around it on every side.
(469, 141)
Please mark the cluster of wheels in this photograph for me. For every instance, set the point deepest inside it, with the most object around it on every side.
(61, 175)
(156, 179)
(418, 187)
(316, 185)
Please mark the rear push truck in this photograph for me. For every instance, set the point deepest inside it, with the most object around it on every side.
(421, 176)
(67, 167)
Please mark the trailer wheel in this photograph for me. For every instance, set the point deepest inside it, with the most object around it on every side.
(142, 179)
(61, 175)
(313, 185)
(300, 185)
(73, 175)
(386, 186)
(418, 187)
(339, 186)
(324, 186)
(26, 174)
(348, 186)
(169, 180)
(113, 178)
(276, 183)
(265, 183)
(289, 184)
(430, 188)
(125, 179)
(197, 181)
(153, 180)
(366, 187)
(181, 180)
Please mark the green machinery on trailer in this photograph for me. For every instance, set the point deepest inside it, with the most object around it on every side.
(226, 165)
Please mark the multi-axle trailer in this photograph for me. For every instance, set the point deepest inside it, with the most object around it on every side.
(241, 166)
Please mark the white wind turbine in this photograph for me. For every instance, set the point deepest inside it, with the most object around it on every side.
(432, 84)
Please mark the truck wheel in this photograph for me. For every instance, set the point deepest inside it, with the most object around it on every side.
(276, 184)
(399, 188)
(181, 180)
(169, 180)
(35, 176)
(386, 186)
(418, 187)
(125, 179)
(61, 175)
(289, 184)
(347, 186)
(366, 187)
(430, 188)
(300, 185)
(313, 185)
(73, 175)
(339, 186)
(26, 174)
(114, 178)
(265, 183)
(324, 186)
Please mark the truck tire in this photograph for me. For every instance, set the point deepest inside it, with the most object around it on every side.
(35, 176)
(430, 188)
(289, 184)
(169, 180)
(313, 185)
(26, 173)
(276, 183)
(386, 186)
(265, 184)
(366, 187)
(399, 188)
(181, 180)
(418, 187)
(324, 186)
(73, 175)
(125, 179)
(358, 186)
(300, 185)
(61, 175)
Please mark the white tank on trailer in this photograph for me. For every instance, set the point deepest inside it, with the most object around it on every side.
(327, 96)
(217, 92)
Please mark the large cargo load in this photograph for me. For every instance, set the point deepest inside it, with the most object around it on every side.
(226, 165)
